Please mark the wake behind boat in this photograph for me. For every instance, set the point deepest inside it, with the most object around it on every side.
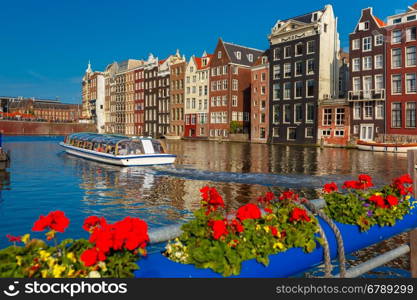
(117, 149)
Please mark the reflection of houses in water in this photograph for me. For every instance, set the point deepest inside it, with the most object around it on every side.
(4, 178)
(293, 159)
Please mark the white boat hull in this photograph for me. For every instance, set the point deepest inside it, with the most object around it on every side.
(121, 160)
(378, 148)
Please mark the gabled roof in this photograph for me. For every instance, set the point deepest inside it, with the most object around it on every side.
(259, 60)
(380, 22)
(199, 61)
(245, 52)
(306, 18)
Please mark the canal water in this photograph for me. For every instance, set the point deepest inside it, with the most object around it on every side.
(42, 178)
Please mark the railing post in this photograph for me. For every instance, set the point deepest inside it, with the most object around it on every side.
(412, 161)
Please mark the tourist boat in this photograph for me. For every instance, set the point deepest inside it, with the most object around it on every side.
(117, 149)
(385, 147)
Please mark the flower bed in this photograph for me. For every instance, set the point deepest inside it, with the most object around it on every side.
(111, 251)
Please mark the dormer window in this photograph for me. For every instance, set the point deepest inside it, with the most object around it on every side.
(366, 25)
(219, 54)
(250, 57)
(315, 17)
(264, 60)
(204, 62)
(238, 54)
(396, 21)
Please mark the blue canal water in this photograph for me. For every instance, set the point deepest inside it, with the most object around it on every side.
(42, 178)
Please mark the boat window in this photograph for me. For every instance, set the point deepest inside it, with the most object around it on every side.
(157, 147)
(130, 148)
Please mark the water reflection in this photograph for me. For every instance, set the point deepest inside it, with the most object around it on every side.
(280, 159)
(4, 178)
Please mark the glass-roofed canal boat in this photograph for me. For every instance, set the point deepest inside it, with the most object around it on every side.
(117, 149)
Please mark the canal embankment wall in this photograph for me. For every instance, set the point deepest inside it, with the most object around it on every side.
(43, 128)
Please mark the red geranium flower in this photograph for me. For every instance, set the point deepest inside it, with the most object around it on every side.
(91, 256)
(248, 211)
(238, 226)
(330, 187)
(211, 199)
(364, 181)
(130, 233)
(350, 184)
(392, 200)
(55, 220)
(400, 182)
(269, 196)
(378, 200)
(288, 195)
(274, 230)
(92, 221)
(298, 214)
(268, 210)
(13, 239)
(219, 228)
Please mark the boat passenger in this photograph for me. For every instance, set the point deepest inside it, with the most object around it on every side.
(122, 150)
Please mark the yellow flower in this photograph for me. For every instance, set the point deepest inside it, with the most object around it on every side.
(25, 238)
(57, 271)
(266, 228)
(19, 260)
(258, 227)
(278, 245)
(379, 194)
(71, 257)
(394, 208)
(51, 261)
(102, 266)
(44, 255)
(44, 273)
(71, 272)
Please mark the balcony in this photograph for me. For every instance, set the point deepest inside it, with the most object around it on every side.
(366, 95)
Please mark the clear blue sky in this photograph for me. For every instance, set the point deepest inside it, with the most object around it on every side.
(45, 45)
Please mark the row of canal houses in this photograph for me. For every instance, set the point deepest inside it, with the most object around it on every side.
(302, 90)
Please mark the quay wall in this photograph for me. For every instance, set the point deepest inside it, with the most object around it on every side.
(43, 128)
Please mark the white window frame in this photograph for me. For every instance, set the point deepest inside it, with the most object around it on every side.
(295, 113)
(366, 59)
(356, 44)
(376, 66)
(295, 90)
(375, 83)
(308, 136)
(356, 116)
(377, 105)
(406, 56)
(392, 85)
(392, 36)
(284, 89)
(288, 133)
(356, 64)
(368, 43)
(407, 91)
(407, 35)
(392, 58)
(285, 52)
(379, 37)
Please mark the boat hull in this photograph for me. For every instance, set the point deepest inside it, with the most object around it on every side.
(380, 147)
(125, 161)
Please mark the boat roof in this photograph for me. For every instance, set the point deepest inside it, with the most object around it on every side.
(109, 139)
